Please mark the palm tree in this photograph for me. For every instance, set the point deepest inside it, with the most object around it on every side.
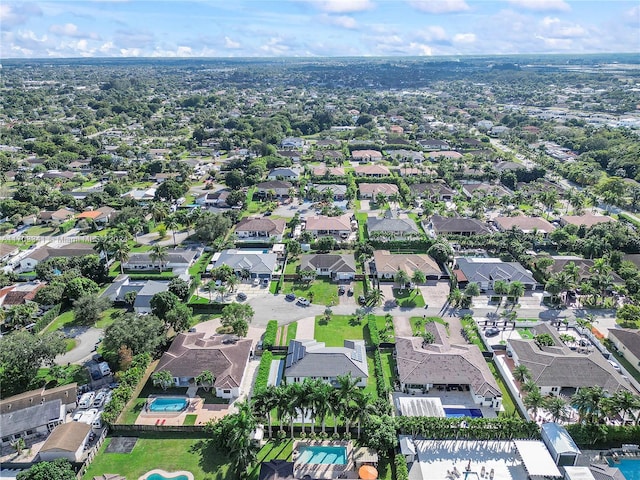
(172, 223)
(557, 407)
(159, 254)
(292, 397)
(104, 245)
(206, 379)
(374, 297)
(163, 377)
(501, 287)
(135, 226)
(210, 287)
(322, 401)
(534, 401)
(121, 250)
(529, 386)
(588, 402)
(402, 278)
(158, 211)
(242, 451)
(264, 402)
(516, 290)
(232, 282)
(347, 392)
(625, 402)
(418, 277)
(521, 373)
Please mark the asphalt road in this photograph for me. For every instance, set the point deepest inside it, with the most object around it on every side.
(86, 338)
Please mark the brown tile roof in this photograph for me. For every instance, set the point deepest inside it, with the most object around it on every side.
(366, 154)
(375, 188)
(321, 170)
(190, 354)
(526, 224)
(342, 223)
(442, 362)
(588, 219)
(372, 170)
(67, 437)
(67, 394)
(387, 262)
(93, 214)
(273, 227)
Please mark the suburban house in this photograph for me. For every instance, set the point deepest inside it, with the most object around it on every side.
(102, 215)
(226, 357)
(584, 268)
(406, 155)
(445, 154)
(433, 144)
(392, 227)
(486, 271)
(524, 224)
(323, 170)
(177, 260)
(249, 263)
(373, 171)
(321, 226)
(279, 187)
(422, 367)
(328, 143)
(67, 441)
(313, 360)
(19, 293)
(436, 192)
(456, 226)
(385, 265)
(7, 251)
(144, 290)
(292, 142)
(371, 190)
(260, 229)
(36, 412)
(588, 220)
(338, 267)
(57, 217)
(213, 199)
(284, 173)
(627, 342)
(140, 196)
(558, 370)
(484, 190)
(366, 156)
(30, 260)
(338, 192)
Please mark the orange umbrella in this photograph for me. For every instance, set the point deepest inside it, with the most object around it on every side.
(367, 472)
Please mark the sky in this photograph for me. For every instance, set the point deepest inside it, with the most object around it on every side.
(315, 28)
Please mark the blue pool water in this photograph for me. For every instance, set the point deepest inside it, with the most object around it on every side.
(462, 412)
(157, 476)
(630, 467)
(168, 404)
(323, 455)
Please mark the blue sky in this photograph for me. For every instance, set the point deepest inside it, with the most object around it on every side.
(307, 28)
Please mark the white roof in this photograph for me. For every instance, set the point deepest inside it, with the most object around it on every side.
(536, 459)
(561, 441)
(578, 473)
(407, 447)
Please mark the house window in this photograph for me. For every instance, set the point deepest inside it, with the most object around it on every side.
(5, 439)
(325, 378)
(29, 432)
(226, 391)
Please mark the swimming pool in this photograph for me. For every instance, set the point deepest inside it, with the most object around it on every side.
(630, 467)
(168, 404)
(462, 412)
(324, 455)
(157, 476)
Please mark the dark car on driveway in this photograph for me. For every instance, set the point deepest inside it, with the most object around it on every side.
(290, 297)
(491, 332)
(361, 299)
(241, 296)
(341, 290)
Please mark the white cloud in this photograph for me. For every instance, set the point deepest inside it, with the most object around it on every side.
(553, 27)
(421, 49)
(342, 6)
(542, 5)
(464, 38)
(343, 21)
(275, 47)
(433, 33)
(228, 43)
(12, 15)
(71, 30)
(440, 6)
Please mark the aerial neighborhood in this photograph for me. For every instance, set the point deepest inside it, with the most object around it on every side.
(271, 270)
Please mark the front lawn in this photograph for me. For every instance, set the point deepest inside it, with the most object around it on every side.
(418, 323)
(70, 374)
(525, 333)
(343, 327)
(194, 454)
(321, 292)
(67, 319)
(40, 230)
(408, 298)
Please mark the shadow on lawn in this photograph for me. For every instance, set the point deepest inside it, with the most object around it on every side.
(211, 460)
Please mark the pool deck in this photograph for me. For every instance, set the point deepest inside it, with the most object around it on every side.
(318, 470)
(204, 412)
(167, 475)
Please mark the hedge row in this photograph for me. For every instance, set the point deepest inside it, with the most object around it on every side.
(128, 382)
(269, 339)
(47, 318)
(381, 386)
(374, 334)
(263, 372)
(402, 472)
(603, 436)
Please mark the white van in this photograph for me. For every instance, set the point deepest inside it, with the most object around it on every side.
(97, 422)
(104, 369)
(86, 400)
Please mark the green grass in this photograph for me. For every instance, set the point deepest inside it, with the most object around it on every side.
(342, 327)
(525, 333)
(200, 300)
(475, 338)
(507, 399)
(409, 298)
(60, 321)
(190, 419)
(21, 244)
(291, 332)
(388, 368)
(70, 344)
(195, 454)
(322, 291)
(292, 266)
(363, 234)
(417, 221)
(418, 323)
(66, 319)
(70, 374)
(40, 230)
(273, 450)
(200, 266)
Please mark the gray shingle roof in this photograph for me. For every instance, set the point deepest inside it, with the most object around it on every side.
(481, 270)
(404, 225)
(30, 417)
(458, 224)
(256, 263)
(335, 263)
(629, 338)
(308, 358)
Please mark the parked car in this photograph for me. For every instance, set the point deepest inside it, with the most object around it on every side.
(491, 332)
(98, 401)
(615, 365)
(341, 290)
(290, 297)
(350, 292)
(241, 296)
(265, 282)
(256, 282)
(303, 302)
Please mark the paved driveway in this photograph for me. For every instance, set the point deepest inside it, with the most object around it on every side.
(86, 339)
(435, 293)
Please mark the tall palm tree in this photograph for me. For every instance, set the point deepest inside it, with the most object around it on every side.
(322, 402)
(121, 250)
(501, 287)
(160, 254)
(347, 392)
(104, 245)
(135, 227)
(588, 402)
(172, 223)
(158, 211)
(534, 401)
(516, 290)
(557, 407)
(529, 386)
(264, 402)
(232, 282)
(291, 397)
(521, 373)
(374, 297)
(625, 402)
(401, 278)
(241, 450)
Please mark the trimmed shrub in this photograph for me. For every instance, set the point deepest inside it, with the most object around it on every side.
(47, 318)
(269, 339)
(374, 334)
(263, 372)
(402, 472)
(381, 387)
(128, 382)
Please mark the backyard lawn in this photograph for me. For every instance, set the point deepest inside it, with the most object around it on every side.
(343, 327)
(321, 292)
(194, 454)
(66, 319)
(273, 450)
(418, 323)
(409, 298)
(40, 230)
(507, 400)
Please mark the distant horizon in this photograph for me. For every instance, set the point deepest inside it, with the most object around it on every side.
(35, 29)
